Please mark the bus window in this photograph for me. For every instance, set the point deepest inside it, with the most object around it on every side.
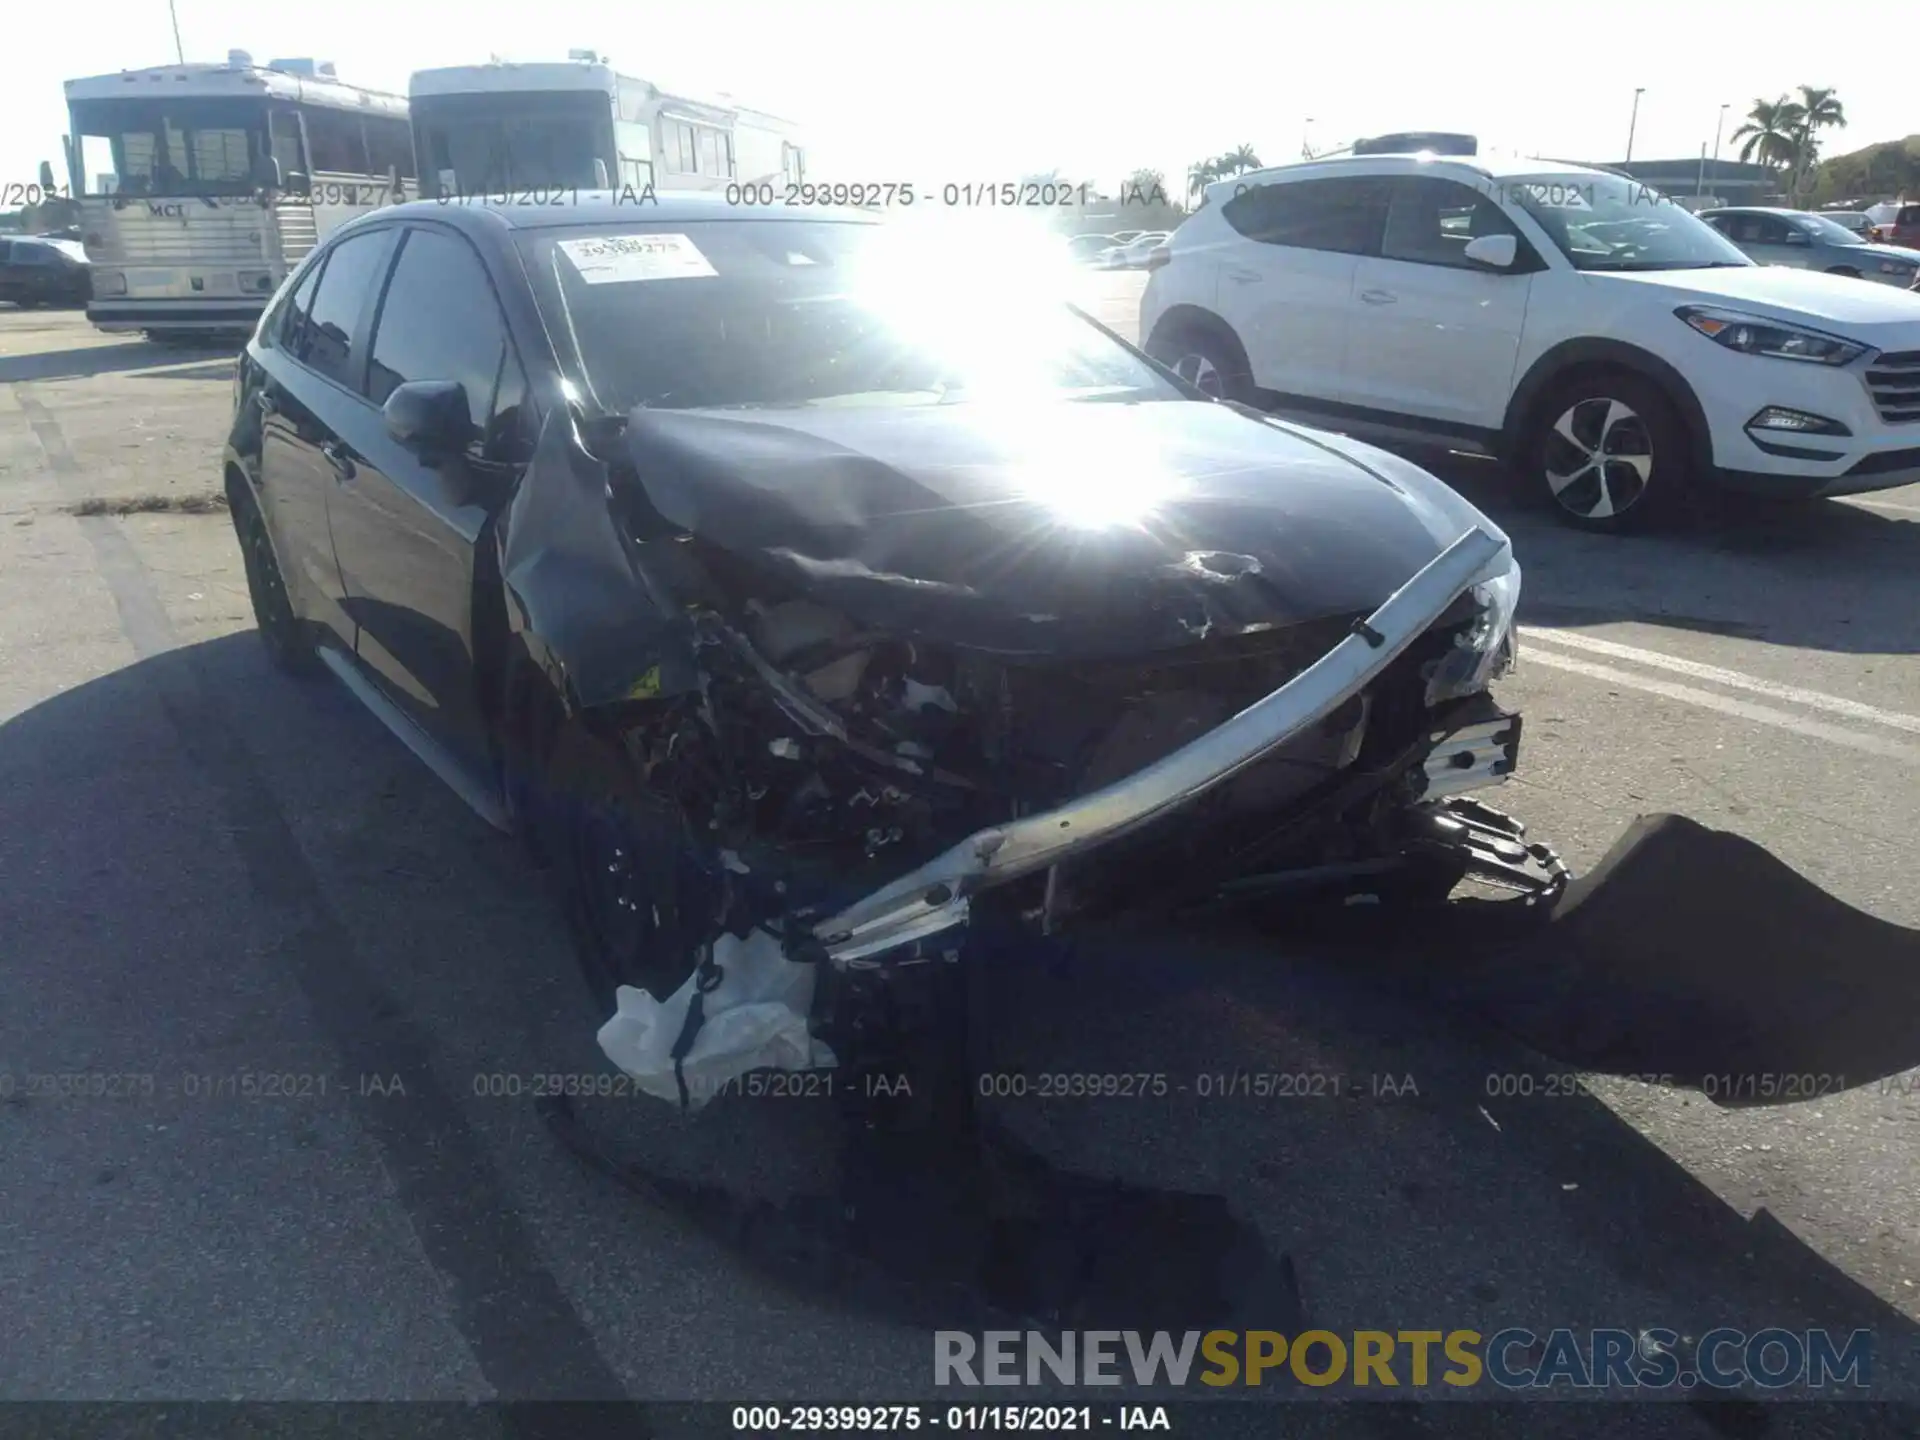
(389, 144)
(335, 139)
(288, 147)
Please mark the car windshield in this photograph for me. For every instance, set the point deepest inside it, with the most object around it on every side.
(1828, 232)
(1608, 222)
(764, 313)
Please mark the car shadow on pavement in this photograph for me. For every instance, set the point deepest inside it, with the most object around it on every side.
(75, 363)
(1847, 567)
(203, 855)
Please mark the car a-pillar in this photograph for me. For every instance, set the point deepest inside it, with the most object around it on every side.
(1611, 436)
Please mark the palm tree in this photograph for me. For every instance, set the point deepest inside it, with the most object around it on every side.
(1240, 159)
(1201, 174)
(1819, 109)
(1770, 135)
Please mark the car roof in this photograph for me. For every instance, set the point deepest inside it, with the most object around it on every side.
(1786, 210)
(1458, 167)
(545, 209)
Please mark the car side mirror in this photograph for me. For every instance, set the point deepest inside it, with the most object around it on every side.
(430, 418)
(1496, 252)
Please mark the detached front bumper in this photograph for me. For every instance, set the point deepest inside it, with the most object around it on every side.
(935, 897)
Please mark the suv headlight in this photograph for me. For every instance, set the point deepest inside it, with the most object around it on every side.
(1752, 335)
(1484, 649)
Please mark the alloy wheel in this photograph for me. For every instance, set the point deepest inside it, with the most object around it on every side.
(1599, 458)
(1200, 372)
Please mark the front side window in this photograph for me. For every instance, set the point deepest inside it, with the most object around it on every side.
(1432, 221)
(439, 321)
(337, 142)
(774, 313)
(1608, 222)
(354, 267)
(1344, 214)
(389, 146)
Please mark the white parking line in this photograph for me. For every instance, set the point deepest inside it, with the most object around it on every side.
(1727, 705)
(1733, 679)
(1892, 505)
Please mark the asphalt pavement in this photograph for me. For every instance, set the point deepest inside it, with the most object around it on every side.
(299, 994)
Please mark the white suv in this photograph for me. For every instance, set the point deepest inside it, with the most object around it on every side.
(1607, 344)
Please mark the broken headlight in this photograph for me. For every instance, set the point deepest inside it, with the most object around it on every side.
(1484, 648)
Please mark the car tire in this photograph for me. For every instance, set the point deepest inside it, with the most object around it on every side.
(1610, 452)
(1208, 358)
(288, 639)
(635, 895)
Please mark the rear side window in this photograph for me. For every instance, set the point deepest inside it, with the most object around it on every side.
(354, 269)
(1909, 215)
(440, 321)
(1344, 214)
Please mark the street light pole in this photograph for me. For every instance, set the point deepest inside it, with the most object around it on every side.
(1632, 124)
(1717, 126)
(179, 54)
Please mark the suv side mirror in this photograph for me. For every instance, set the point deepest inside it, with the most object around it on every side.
(1797, 237)
(1496, 252)
(430, 418)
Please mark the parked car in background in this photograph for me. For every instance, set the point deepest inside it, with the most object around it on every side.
(1858, 221)
(38, 271)
(1811, 242)
(1133, 258)
(1900, 225)
(1088, 248)
(1615, 350)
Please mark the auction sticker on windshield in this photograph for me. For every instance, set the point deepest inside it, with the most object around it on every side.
(618, 259)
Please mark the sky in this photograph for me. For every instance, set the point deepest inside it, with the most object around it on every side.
(989, 91)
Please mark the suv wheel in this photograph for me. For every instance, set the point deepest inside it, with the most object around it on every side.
(1207, 359)
(1611, 452)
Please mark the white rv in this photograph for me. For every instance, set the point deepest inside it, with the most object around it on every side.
(201, 186)
(537, 132)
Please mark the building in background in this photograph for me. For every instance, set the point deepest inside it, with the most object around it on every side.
(1716, 182)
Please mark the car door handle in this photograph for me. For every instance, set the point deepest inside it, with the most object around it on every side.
(341, 462)
(1245, 277)
(1378, 297)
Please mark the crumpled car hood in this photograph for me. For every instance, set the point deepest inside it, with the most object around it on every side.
(1086, 528)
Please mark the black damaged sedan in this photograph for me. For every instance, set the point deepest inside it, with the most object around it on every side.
(808, 606)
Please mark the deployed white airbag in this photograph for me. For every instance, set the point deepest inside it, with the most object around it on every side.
(754, 1019)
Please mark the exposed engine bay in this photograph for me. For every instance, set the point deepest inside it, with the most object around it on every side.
(799, 752)
(863, 733)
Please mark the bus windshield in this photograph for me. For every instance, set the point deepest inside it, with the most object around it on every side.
(493, 144)
(181, 146)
